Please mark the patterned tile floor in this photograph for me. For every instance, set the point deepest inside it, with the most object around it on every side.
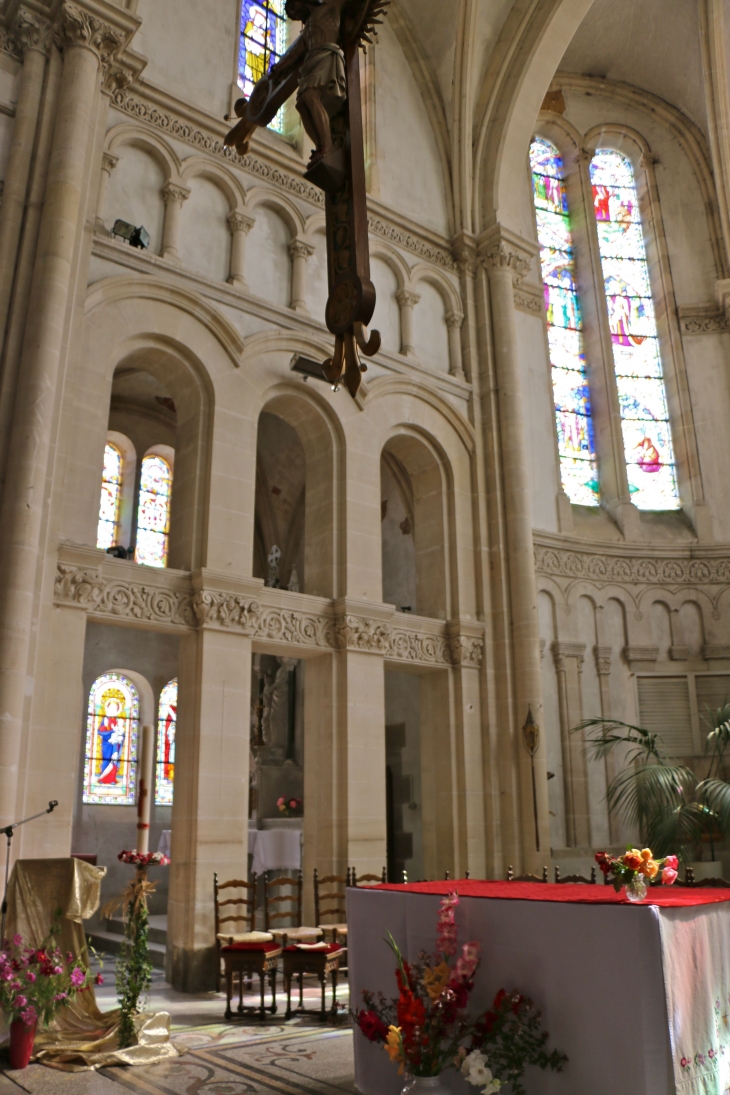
(299, 1057)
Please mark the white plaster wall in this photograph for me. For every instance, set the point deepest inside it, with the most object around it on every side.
(134, 194)
(386, 318)
(205, 240)
(430, 335)
(268, 266)
(411, 177)
(317, 290)
(539, 420)
(191, 46)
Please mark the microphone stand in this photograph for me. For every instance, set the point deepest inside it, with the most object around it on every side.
(8, 832)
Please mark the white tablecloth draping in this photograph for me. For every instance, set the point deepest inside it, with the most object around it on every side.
(275, 849)
(597, 973)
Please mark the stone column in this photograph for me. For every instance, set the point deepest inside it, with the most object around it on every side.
(299, 252)
(569, 665)
(85, 40)
(504, 259)
(173, 196)
(31, 36)
(603, 655)
(108, 163)
(407, 301)
(454, 321)
(240, 226)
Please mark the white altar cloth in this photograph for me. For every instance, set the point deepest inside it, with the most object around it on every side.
(595, 971)
(275, 849)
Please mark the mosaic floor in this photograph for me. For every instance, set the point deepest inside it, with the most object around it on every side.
(299, 1057)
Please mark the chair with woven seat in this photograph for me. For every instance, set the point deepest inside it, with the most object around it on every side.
(283, 901)
(322, 960)
(366, 879)
(244, 954)
(329, 904)
(512, 877)
(576, 878)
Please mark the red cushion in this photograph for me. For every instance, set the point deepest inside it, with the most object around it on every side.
(267, 948)
(327, 948)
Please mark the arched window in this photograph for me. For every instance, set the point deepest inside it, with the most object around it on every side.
(111, 494)
(637, 361)
(262, 42)
(571, 395)
(153, 513)
(166, 724)
(110, 768)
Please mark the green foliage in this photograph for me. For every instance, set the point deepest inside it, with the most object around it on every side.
(134, 970)
(511, 1036)
(673, 809)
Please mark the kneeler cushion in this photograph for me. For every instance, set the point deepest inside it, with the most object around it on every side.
(253, 948)
(319, 948)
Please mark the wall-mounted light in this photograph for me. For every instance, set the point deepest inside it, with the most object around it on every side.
(135, 237)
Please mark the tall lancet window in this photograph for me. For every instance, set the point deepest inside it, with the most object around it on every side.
(153, 513)
(262, 42)
(571, 395)
(111, 493)
(637, 361)
(110, 771)
(166, 724)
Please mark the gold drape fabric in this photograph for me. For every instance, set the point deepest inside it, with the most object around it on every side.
(81, 1036)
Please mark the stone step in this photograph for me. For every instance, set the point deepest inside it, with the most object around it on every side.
(110, 942)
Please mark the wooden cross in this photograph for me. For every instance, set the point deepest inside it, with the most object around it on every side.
(322, 65)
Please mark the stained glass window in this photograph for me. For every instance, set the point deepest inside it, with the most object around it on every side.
(153, 513)
(166, 722)
(111, 490)
(263, 40)
(571, 395)
(647, 437)
(110, 771)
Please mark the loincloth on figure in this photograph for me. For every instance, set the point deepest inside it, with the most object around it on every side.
(324, 68)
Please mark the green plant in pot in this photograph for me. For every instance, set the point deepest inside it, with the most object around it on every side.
(673, 808)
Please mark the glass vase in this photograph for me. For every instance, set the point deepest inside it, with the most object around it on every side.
(425, 1085)
(636, 888)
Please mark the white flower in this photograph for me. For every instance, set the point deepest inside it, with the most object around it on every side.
(477, 1073)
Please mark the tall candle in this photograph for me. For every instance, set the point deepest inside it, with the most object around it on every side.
(144, 794)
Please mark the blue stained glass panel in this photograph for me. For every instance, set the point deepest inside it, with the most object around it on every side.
(166, 726)
(110, 765)
(637, 361)
(571, 396)
(262, 42)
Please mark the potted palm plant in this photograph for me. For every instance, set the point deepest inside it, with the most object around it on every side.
(673, 808)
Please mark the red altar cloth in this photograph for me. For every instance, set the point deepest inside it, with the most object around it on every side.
(667, 897)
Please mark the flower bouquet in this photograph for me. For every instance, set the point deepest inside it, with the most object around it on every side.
(635, 869)
(289, 806)
(34, 984)
(427, 1029)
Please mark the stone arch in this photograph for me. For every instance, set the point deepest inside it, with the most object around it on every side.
(201, 167)
(280, 204)
(127, 133)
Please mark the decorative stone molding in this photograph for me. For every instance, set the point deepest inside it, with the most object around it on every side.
(563, 650)
(702, 319)
(184, 131)
(406, 298)
(76, 27)
(9, 45)
(604, 568)
(455, 320)
(168, 600)
(715, 652)
(500, 256)
(173, 192)
(239, 222)
(529, 300)
(602, 654)
(29, 32)
(637, 653)
(678, 653)
(301, 250)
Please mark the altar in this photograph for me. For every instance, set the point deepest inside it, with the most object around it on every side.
(637, 996)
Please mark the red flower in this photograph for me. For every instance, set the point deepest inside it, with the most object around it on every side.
(372, 1026)
(516, 1002)
(498, 999)
(461, 992)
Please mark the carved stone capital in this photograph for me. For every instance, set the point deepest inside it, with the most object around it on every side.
(467, 650)
(465, 254)
(77, 27)
(455, 319)
(29, 32)
(563, 650)
(239, 222)
(602, 654)
(500, 256)
(406, 298)
(298, 249)
(108, 162)
(174, 192)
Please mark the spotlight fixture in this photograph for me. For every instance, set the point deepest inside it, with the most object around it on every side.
(135, 237)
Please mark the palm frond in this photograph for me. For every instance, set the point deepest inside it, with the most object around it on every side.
(678, 831)
(606, 734)
(715, 795)
(640, 793)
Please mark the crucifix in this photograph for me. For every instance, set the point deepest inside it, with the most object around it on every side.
(322, 66)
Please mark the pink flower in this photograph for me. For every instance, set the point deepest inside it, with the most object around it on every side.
(669, 876)
(466, 965)
(17, 940)
(98, 980)
(672, 862)
(20, 1002)
(446, 928)
(77, 976)
(58, 969)
(281, 801)
(30, 977)
(60, 996)
(29, 1016)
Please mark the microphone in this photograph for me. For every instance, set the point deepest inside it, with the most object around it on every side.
(52, 806)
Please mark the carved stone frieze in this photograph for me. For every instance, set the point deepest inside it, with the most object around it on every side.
(638, 653)
(360, 633)
(89, 589)
(632, 569)
(76, 27)
(411, 646)
(703, 320)
(529, 302)
(466, 650)
(227, 610)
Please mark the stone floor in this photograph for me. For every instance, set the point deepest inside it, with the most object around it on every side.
(299, 1057)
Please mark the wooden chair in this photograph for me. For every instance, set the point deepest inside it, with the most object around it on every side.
(366, 879)
(245, 953)
(283, 901)
(511, 877)
(592, 881)
(329, 904)
(322, 960)
(715, 883)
